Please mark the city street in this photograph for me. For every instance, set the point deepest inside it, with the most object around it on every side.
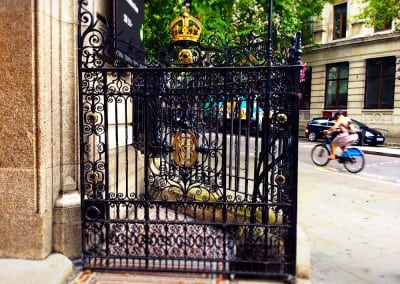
(352, 220)
(376, 166)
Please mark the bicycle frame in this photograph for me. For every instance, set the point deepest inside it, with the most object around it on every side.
(352, 158)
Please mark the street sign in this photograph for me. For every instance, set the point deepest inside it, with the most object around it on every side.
(129, 17)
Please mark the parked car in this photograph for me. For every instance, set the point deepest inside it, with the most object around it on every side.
(314, 130)
(370, 136)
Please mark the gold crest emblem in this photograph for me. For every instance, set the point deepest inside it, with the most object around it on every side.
(185, 149)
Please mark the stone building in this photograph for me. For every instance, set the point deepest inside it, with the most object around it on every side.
(39, 207)
(353, 67)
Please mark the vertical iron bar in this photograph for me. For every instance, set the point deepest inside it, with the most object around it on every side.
(107, 163)
(126, 142)
(294, 166)
(146, 125)
(81, 135)
(269, 40)
(266, 135)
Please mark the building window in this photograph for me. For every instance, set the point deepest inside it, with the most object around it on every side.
(379, 83)
(337, 79)
(308, 31)
(339, 23)
(306, 90)
(383, 24)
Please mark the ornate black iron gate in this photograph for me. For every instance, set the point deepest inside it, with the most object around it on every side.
(189, 165)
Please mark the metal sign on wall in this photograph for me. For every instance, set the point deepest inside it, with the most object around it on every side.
(122, 22)
(129, 16)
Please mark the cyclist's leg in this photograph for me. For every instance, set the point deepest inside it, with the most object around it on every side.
(332, 156)
(342, 140)
(348, 140)
(334, 146)
(333, 135)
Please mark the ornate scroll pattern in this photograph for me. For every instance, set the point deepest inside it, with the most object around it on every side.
(188, 163)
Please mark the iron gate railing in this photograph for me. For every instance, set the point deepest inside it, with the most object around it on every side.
(188, 169)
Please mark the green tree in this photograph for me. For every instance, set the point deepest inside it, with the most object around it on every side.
(230, 19)
(377, 12)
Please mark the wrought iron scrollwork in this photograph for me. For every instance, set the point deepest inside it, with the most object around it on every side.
(188, 160)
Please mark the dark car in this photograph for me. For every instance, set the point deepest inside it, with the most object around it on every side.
(370, 136)
(314, 130)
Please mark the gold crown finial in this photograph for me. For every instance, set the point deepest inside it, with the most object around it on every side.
(185, 10)
(185, 27)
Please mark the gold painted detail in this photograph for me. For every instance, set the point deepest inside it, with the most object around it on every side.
(280, 179)
(185, 56)
(92, 117)
(185, 27)
(185, 149)
(281, 117)
(94, 177)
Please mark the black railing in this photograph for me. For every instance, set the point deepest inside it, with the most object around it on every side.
(188, 169)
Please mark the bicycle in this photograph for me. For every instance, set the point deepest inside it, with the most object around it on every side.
(352, 158)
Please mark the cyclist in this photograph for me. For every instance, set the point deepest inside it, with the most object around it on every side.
(335, 132)
(346, 133)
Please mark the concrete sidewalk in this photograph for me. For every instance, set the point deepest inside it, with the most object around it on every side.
(391, 151)
(55, 269)
(58, 269)
(352, 225)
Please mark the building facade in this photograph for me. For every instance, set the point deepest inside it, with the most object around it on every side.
(40, 203)
(352, 67)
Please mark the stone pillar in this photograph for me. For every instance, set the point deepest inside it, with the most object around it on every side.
(66, 199)
(24, 208)
(67, 221)
(38, 128)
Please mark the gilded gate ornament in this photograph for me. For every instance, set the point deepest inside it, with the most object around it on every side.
(185, 56)
(92, 117)
(280, 180)
(281, 118)
(185, 27)
(185, 149)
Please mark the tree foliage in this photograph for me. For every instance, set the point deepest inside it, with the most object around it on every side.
(376, 12)
(230, 19)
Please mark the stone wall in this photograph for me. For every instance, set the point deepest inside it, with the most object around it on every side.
(25, 216)
(39, 159)
(38, 134)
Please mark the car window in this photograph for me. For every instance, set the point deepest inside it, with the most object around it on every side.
(356, 125)
(359, 124)
(319, 121)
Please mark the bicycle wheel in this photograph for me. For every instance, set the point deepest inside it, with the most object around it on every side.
(354, 161)
(319, 155)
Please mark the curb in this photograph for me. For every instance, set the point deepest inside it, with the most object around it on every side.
(382, 150)
(55, 269)
(371, 152)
